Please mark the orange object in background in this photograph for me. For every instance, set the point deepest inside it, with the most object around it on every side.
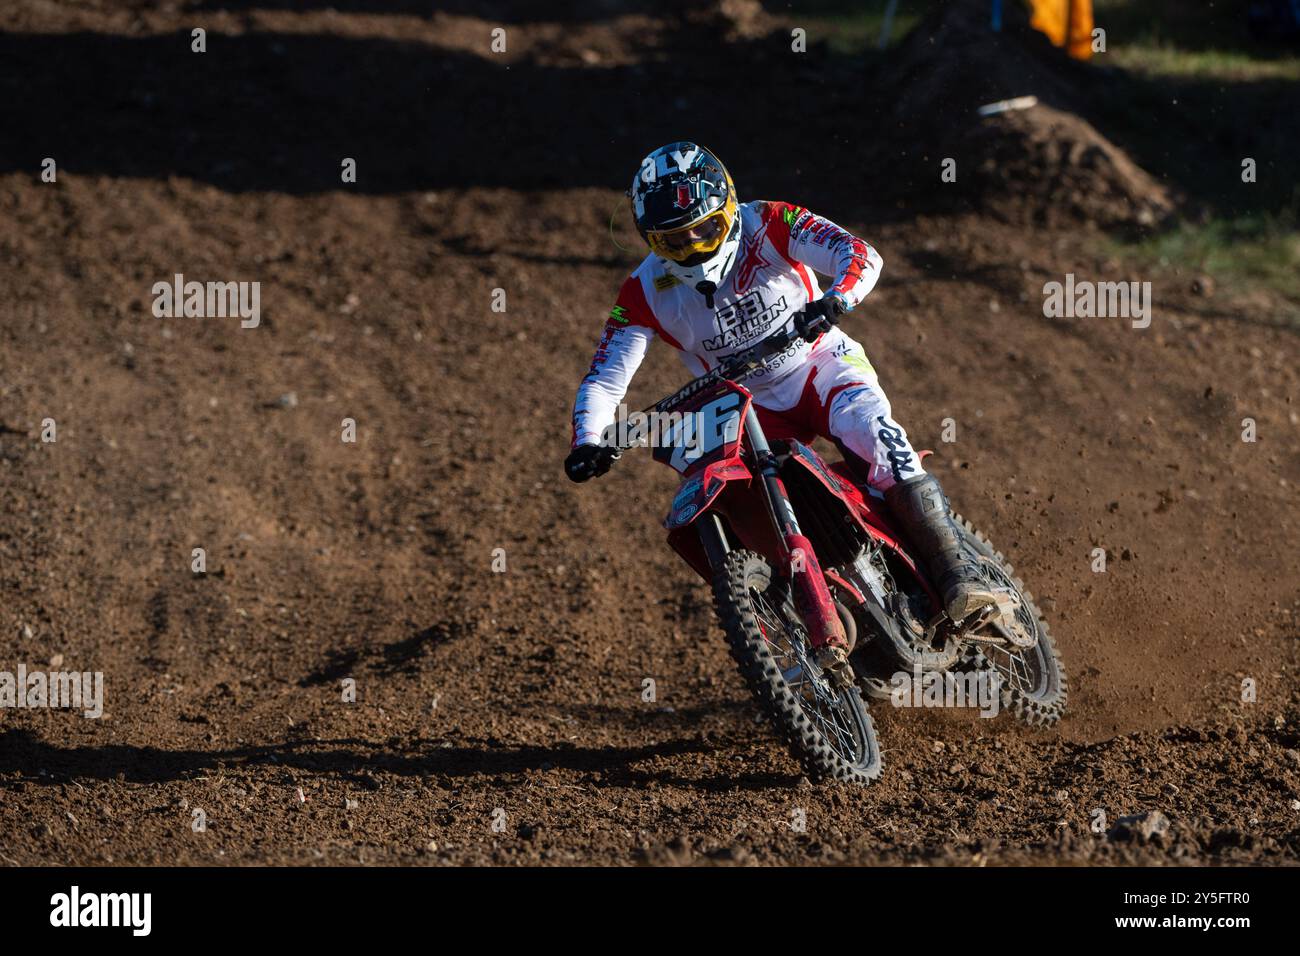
(1056, 17)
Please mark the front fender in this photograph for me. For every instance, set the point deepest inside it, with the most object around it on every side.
(698, 492)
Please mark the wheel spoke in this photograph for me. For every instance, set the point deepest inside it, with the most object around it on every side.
(788, 642)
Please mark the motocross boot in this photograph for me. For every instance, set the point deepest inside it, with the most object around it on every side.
(926, 521)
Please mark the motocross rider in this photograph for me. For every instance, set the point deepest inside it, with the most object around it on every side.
(722, 276)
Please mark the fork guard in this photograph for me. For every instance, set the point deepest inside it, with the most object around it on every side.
(820, 614)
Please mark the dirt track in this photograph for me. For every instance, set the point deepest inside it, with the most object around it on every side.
(372, 561)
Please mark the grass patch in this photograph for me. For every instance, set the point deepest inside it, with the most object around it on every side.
(1171, 38)
(1174, 38)
(1239, 254)
(852, 27)
(1212, 64)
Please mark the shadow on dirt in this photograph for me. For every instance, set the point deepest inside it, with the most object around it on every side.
(402, 656)
(493, 11)
(357, 761)
(281, 111)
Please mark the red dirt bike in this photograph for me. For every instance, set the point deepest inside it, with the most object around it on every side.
(798, 552)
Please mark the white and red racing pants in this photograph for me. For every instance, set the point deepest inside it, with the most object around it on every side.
(837, 396)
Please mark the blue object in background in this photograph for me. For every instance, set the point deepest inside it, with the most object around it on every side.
(1274, 20)
(997, 16)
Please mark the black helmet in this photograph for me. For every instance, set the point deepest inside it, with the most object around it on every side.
(684, 205)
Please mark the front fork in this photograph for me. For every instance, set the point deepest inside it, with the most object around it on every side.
(798, 560)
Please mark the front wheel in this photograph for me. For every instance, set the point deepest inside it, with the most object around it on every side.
(827, 728)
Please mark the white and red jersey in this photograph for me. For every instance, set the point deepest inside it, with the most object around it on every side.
(771, 281)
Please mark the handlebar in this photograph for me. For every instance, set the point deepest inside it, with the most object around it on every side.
(734, 368)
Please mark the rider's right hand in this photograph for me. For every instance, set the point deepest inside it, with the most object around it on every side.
(590, 461)
(820, 316)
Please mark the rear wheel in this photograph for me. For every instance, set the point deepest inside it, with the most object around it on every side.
(827, 728)
(1033, 682)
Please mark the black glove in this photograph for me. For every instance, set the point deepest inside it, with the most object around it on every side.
(820, 316)
(590, 461)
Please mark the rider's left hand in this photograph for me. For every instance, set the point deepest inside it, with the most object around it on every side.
(820, 316)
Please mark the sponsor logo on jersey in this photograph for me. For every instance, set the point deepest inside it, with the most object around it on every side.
(665, 282)
(797, 218)
(749, 317)
(751, 260)
(611, 333)
(618, 314)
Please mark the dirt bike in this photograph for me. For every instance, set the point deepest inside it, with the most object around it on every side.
(798, 553)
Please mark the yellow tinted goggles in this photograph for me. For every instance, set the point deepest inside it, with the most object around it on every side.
(685, 241)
